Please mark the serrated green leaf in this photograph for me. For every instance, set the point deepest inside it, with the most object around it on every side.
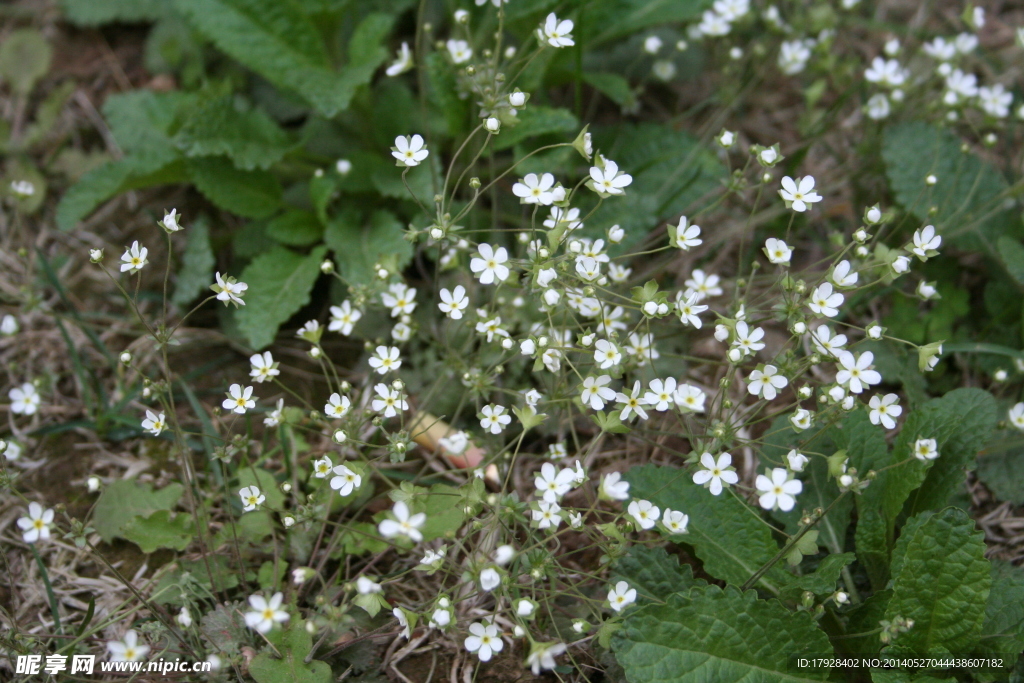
(710, 634)
(197, 263)
(862, 625)
(280, 281)
(822, 581)
(162, 529)
(444, 514)
(25, 57)
(270, 574)
(140, 120)
(296, 228)
(124, 500)
(225, 626)
(536, 120)
(613, 86)
(653, 573)
(1011, 252)
(1002, 634)
(941, 580)
(93, 13)
(252, 194)
(281, 43)
(726, 535)
(230, 126)
(357, 246)
(295, 644)
(967, 188)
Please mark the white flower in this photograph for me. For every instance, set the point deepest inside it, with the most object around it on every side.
(265, 612)
(606, 354)
(797, 460)
(798, 194)
(857, 373)
(409, 151)
(608, 180)
(793, 56)
(777, 251)
(9, 325)
(704, 285)
(400, 299)
(632, 403)
(615, 235)
(748, 341)
(454, 443)
(229, 291)
(127, 650)
(388, 400)
(779, 490)
(1016, 416)
(37, 525)
(556, 33)
(403, 523)
(878, 107)
(801, 419)
(689, 397)
(516, 99)
(621, 596)
(387, 359)
(926, 449)
(494, 418)
(995, 101)
(960, 86)
(645, 513)
(491, 328)
(596, 392)
(674, 521)
(343, 166)
(344, 318)
(239, 399)
(927, 290)
(731, 10)
(154, 424)
(883, 410)
(765, 382)
(885, 72)
(345, 481)
(489, 579)
(713, 24)
(492, 124)
(825, 301)
(588, 268)
(841, 275)
(322, 467)
(926, 242)
(552, 485)
(273, 418)
(262, 367)
(134, 258)
(715, 472)
(484, 639)
(901, 264)
(690, 310)
(536, 190)
(614, 487)
(547, 515)
(828, 344)
(367, 586)
(403, 621)
(441, 618)
(489, 264)
(652, 44)
(403, 62)
(686, 235)
(22, 189)
(251, 498)
(661, 394)
(459, 50)
(25, 399)
(184, 618)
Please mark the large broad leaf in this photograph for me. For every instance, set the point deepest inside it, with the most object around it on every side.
(357, 247)
(141, 120)
(124, 500)
(607, 20)
(1002, 634)
(710, 634)
(294, 644)
(280, 281)
(24, 58)
(1002, 471)
(162, 529)
(196, 273)
(966, 196)
(95, 13)
(281, 43)
(941, 580)
(535, 121)
(653, 573)
(252, 194)
(726, 535)
(961, 422)
(230, 126)
(822, 581)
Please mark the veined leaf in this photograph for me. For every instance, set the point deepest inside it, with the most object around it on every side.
(252, 194)
(1002, 634)
(93, 13)
(25, 57)
(196, 272)
(654, 573)
(710, 634)
(124, 500)
(162, 529)
(535, 121)
(941, 580)
(280, 281)
(296, 228)
(140, 120)
(229, 126)
(357, 246)
(613, 86)
(293, 644)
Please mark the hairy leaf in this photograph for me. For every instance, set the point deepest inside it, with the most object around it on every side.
(162, 529)
(654, 573)
(197, 263)
(1002, 634)
(941, 580)
(822, 581)
(294, 644)
(252, 194)
(280, 281)
(296, 228)
(24, 58)
(124, 500)
(535, 121)
(357, 246)
(710, 634)
(230, 126)
(613, 86)
(140, 120)
(1002, 471)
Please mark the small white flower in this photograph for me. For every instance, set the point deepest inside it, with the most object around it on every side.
(652, 45)
(606, 354)
(403, 62)
(127, 650)
(827, 343)
(926, 242)
(878, 107)
(9, 325)
(489, 579)
(400, 299)
(495, 418)
(689, 397)
(613, 487)
(632, 403)
(596, 392)
(661, 394)
(229, 291)
(344, 318)
(885, 72)
(516, 99)
(484, 639)
(715, 473)
(856, 371)
(674, 521)
(1016, 416)
(799, 194)
(387, 358)
(687, 236)
(825, 301)
(36, 526)
(644, 512)
(883, 410)
(926, 449)
(25, 399)
(492, 124)
(322, 467)
(489, 264)
(841, 275)
(343, 166)
(263, 367)
(689, 310)
(534, 189)
(184, 618)
(779, 490)
(265, 612)
(551, 484)
(345, 481)
(927, 290)
(777, 251)
(621, 596)
(801, 419)
(134, 258)
(239, 399)
(459, 50)
(765, 382)
(251, 498)
(704, 285)
(170, 222)
(547, 515)
(797, 460)
(273, 418)
(409, 151)
(388, 401)
(367, 586)
(154, 424)
(556, 33)
(609, 181)
(995, 101)
(22, 189)
(403, 523)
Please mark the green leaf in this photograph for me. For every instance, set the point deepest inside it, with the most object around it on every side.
(967, 188)
(197, 263)
(443, 92)
(252, 194)
(533, 121)
(296, 228)
(822, 581)
(941, 580)
(270, 574)
(265, 482)
(294, 645)
(284, 45)
(280, 282)
(140, 120)
(230, 126)
(612, 19)
(613, 86)
(444, 513)
(1002, 634)
(1011, 252)
(726, 534)
(124, 500)
(710, 634)
(1002, 471)
(653, 573)
(93, 13)
(357, 246)
(162, 529)
(225, 626)
(25, 57)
